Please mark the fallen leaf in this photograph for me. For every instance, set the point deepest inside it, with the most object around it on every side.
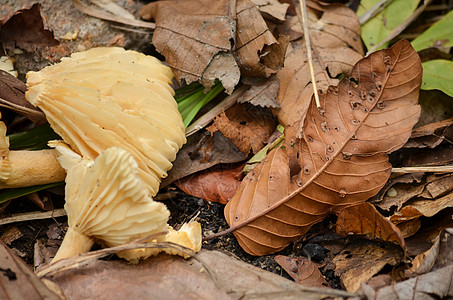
(26, 29)
(427, 208)
(9, 234)
(433, 285)
(212, 275)
(438, 256)
(431, 135)
(442, 156)
(400, 194)
(272, 9)
(17, 281)
(395, 179)
(218, 184)
(201, 152)
(335, 39)
(364, 219)
(360, 261)
(262, 92)
(12, 96)
(226, 39)
(437, 186)
(340, 159)
(258, 52)
(424, 239)
(302, 270)
(246, 126)
(409, 228)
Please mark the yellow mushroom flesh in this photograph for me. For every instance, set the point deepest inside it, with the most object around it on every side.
(107, 97)
(107, 201)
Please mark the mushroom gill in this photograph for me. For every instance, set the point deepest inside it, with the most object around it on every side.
(106, 201)
(107, 97)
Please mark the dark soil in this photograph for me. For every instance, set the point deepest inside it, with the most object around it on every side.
(183, 208)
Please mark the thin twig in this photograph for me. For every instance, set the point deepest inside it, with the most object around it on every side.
(33, 216)
(304, 21)
(401, 27)
(372, 12)
(434, 169)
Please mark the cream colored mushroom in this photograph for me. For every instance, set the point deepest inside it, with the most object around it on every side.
(107, 97)
(107, 201)
(26, 168)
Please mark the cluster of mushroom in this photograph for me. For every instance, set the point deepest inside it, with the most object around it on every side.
(121, 128)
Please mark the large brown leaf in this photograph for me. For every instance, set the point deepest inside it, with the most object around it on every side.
(334, 32)
(341, 158)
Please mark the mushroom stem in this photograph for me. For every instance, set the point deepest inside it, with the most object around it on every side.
(74, 243)
(30, 168)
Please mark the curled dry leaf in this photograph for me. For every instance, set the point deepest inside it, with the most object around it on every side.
(431, 135)
(200, 46)
(434, 285)
(216, 184)
(341, 159)
(272, 9)
(246, 126)
(364, 219)
(17, 281)
(361, 261)
(302, 270)
(335, 39)
(12, 96)
(262, 92)
(26, 29)
(201, 152)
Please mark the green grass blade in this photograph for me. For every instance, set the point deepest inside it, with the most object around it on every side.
(33, 139)
(9, 194)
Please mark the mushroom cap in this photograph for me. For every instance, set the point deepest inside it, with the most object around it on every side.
(106, 199)
(107, 97)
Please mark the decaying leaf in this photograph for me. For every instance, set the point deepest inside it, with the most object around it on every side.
(341, 158)
(26, 29)
(424, 239)
(215, 184)
(335, 39)
(200, 46)
(302, 270)
(434, 285)
(201, 152)
(262, 92)
(361, 261)
(247, 127)
(427, 208)
(17, 280)
(12, 96)
(272, 9)
(364, 219)
(213, 275)
(431, 135)
(438, 256)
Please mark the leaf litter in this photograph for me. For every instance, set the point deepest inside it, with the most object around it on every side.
(428, 190)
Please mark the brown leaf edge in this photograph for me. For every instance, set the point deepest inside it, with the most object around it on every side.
(341, 155)
(365, 219)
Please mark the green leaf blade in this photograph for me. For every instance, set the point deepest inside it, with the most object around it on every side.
(438, 74)
(438, 35)
(379, 27)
